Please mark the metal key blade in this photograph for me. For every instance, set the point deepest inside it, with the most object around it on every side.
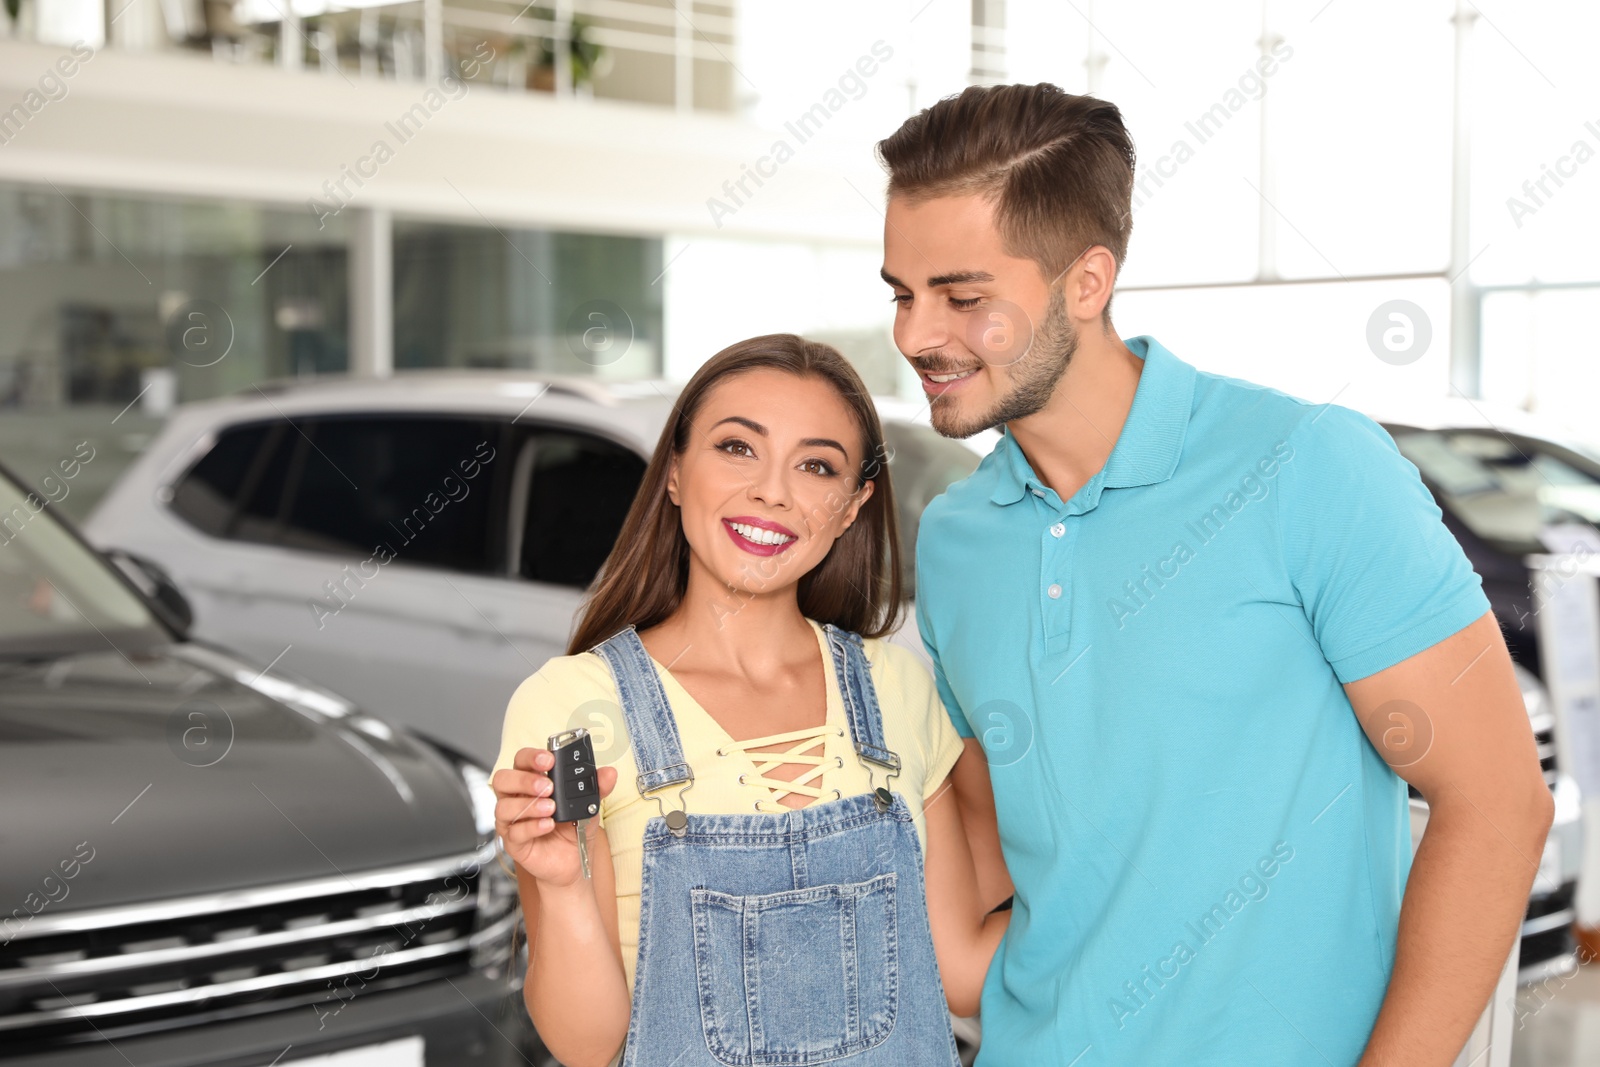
(583, 845)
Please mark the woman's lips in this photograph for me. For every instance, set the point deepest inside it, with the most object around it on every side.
(756, 528)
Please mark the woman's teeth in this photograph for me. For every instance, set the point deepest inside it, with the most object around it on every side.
(957, 376)
(759, 535)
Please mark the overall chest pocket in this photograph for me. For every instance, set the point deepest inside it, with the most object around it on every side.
(795, 978)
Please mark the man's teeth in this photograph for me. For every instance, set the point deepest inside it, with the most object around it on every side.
(759, 535)
(957, 376)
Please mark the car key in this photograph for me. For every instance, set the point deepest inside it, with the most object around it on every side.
(573, 785)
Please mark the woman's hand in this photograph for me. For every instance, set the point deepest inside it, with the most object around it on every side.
(522, 818)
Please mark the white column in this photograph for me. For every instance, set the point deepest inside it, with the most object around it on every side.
(683, 57)
(371, 279)
(433, 41)
(1465, 358)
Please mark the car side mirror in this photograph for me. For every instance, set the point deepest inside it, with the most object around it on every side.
(152, 579)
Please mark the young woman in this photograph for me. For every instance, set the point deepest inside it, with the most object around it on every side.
(773, 772)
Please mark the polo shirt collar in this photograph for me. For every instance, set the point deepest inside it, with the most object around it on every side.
(1151, 441)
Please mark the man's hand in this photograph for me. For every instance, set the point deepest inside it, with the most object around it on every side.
(1450, 720)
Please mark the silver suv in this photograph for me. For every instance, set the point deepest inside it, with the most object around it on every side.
(418, 544)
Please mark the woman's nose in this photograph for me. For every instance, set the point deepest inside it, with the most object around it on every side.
(770, 486)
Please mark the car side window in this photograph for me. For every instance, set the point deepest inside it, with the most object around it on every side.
(417, 486)
(208, 496)
(578, 489)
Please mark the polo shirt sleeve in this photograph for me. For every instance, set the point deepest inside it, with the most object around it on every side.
(952, 707)
(1378, 574)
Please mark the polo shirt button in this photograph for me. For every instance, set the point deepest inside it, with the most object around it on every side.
(1058, 529)
(1054, 591)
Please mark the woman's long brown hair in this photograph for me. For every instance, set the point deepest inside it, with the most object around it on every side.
(856, 586)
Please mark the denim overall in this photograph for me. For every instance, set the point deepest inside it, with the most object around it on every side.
(779, 939)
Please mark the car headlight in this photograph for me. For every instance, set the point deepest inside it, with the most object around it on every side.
(495, 940)
(481, 795)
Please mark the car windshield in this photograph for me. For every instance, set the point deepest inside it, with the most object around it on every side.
(1506, 489)
(56, 595)
(923, 465)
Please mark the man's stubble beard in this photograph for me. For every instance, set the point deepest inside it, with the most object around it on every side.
(1033, 377)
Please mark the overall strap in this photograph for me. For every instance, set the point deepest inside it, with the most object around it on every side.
(850, 666)
(651, 728)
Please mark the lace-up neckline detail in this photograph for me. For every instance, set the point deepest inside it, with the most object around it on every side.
(806, 747)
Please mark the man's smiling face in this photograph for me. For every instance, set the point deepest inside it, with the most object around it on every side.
(986, 332)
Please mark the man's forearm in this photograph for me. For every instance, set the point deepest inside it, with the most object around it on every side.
(1462, 911)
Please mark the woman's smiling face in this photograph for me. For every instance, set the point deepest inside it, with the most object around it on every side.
(769, 478)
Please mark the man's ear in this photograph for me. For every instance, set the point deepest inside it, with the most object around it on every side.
(1089, 283)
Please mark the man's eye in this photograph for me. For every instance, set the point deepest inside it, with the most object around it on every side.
(900, 298)
(965, 304)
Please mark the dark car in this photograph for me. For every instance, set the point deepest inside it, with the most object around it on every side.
(1502, 485)
(210, 862)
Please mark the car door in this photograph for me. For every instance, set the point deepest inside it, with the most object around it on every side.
(570, 490)
(359, 549)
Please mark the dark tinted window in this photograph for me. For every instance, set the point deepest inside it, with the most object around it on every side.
(207, 496)
(418, 485)
(579, 492)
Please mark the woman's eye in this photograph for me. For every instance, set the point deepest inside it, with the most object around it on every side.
(818, 466)
(735, 447)
(965, 304)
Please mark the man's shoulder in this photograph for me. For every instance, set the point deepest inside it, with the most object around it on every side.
(1232, 408)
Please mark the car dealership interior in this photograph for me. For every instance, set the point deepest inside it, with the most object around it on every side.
(336, 338)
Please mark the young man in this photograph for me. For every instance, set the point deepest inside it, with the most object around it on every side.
(1198, 626)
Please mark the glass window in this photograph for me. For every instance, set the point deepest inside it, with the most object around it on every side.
(117, 307)
(56, 595)
(579, 490)
(467, 296)
(416, 485)
(208, 495)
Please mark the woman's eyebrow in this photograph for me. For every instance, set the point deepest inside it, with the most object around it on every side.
(756, 427)
(750, 424)
(825, 442)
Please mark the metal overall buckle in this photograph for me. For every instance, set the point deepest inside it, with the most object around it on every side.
(677, 819)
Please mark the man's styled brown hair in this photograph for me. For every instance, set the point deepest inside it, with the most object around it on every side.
(1058, 167)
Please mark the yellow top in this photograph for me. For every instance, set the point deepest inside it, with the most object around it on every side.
(573, 691)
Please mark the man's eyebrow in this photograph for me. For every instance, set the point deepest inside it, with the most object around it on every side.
(959, 277)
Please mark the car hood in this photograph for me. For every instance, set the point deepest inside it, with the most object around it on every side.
(187, 770)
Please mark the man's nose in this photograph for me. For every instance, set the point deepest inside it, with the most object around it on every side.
(922, 328)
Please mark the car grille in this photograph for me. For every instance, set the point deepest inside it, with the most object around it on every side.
(118, 971)
(1547, 929)
(1546, 740)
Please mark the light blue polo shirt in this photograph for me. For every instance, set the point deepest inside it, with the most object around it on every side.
(1208, 853)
